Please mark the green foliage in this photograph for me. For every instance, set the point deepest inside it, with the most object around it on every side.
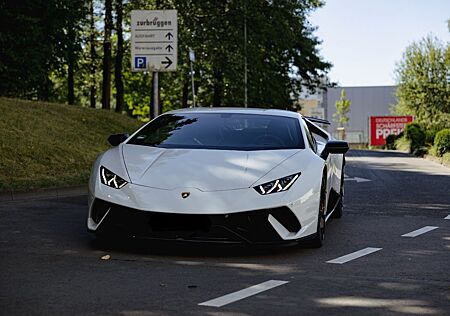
(415, 134)
(403, 144)
(442, 142)
(423, 85)
(342, 109)
(47, 144)
(430, 132)
(281, 51)
(37, 38)
(390, 142)
(446, 159)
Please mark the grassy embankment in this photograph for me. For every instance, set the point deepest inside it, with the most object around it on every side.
(429, 150)
(45, 145)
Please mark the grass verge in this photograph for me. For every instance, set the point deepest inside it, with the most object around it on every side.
(45, 145)
(446, 160)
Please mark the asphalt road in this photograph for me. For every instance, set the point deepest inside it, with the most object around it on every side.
(50, 265)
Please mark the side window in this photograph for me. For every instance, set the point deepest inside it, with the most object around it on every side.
(311, 140)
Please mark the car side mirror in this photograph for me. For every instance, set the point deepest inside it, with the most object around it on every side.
(117, 139)
(334, 147)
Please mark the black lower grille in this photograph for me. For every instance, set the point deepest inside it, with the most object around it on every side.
(250, 226)
(160, 222)
(99, 210)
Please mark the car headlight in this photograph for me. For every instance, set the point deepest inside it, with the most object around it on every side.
(279, 185)
(111, 179)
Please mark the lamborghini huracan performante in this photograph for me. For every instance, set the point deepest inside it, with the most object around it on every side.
(252, 176)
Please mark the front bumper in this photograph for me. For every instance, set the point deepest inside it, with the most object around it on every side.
(249, 227)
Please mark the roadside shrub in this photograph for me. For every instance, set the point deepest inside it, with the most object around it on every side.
(390, 142)
(446, 159)
(442, 142)
(430, 133)
(416, 136)
(402, 144)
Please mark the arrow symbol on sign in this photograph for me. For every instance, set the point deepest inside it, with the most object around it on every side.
(169, 48)
(167, 62)
(357, 179)
(169, 36)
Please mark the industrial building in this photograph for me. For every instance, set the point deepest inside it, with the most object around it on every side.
(365, 102)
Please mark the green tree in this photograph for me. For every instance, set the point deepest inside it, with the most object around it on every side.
(40, 42)
(91, 61)
(106, 86)
(281, 52)
(342, 110)
(65, 37)
(69, 45)
(119, 56)
(424, 83)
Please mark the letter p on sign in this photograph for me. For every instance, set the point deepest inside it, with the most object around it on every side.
(140, 62)
(379, 133)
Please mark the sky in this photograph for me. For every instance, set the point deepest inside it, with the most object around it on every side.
(364, 39)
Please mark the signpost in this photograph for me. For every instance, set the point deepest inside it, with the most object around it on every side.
(383, 126)
(154, 45)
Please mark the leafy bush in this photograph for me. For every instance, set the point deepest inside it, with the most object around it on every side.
(446, 159)
(402, 144)
(431, 130)
(390, 142)
(416, 136)
(442, 142)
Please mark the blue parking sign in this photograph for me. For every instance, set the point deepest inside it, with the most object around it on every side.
(140, 62)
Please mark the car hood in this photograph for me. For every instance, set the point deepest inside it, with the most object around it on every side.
(203, 169)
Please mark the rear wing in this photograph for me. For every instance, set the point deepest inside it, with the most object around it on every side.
(314, 128)
(317, 120)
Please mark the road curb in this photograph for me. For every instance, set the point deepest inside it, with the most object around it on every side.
(42, 193)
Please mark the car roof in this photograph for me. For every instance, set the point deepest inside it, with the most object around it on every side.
(257, 111)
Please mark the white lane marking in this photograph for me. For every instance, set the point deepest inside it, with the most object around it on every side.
(420, 231)
(357, 179)
(448, 217)
(244, 293)
(354, 255)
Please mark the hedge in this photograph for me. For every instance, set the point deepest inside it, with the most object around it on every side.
(442, 142)
(416, 136)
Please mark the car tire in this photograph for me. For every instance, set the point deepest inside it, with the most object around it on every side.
(319, 236)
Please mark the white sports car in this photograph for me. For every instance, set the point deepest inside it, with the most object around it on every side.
(231, 175)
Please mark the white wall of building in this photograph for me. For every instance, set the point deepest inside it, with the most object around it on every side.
(365, 102)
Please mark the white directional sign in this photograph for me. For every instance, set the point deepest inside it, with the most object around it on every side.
(154, 40)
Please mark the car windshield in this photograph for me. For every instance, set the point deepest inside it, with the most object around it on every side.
(226, 131)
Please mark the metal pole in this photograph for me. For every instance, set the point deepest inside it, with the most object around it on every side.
(155, 95)
(193, 87)
(245, 55)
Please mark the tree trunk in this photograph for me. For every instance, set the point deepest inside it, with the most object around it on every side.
(93, 67)
(70, 68)
(218, 88)
(106, 87)
(119, 58)
(44, 90)
(184, 100)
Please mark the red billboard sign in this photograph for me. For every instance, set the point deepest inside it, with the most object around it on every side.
(383, 126)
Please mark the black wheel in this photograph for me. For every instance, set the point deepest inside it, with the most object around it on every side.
(340, 206)
(319, 237)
